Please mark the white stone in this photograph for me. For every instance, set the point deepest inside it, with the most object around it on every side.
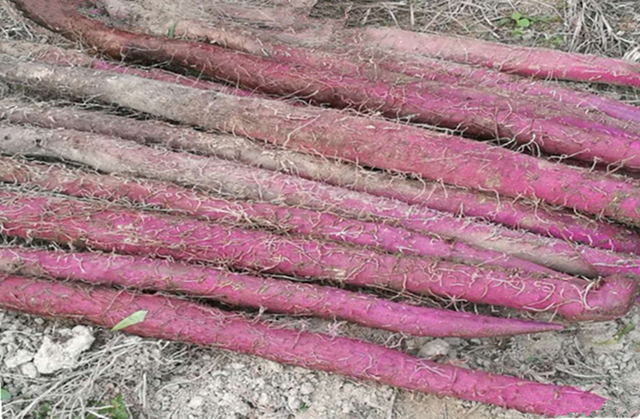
(63, 350)
(20, 357)
(306, 389)
(196, 402)
(237, 366)
(264, 399)
(435, 348)
(294, 403)
(29, 370)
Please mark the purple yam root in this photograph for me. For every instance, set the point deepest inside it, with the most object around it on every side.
(176, 319)
(279, 296)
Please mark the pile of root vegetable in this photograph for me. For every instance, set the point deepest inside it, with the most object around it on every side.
(305, 168)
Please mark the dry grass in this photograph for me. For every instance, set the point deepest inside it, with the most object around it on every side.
(587, 26)
(101, 374)
(14, 26)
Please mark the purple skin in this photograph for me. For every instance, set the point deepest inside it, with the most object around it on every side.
(453, 160)
(64, 57)
(554, 95)
(567, 227)
(285, 219)
(105, 227)
(279, 296)
(538, 219)
(564, 225)
(418, 66)
(178, 319)
(155, 74)
(112, 155)
(477, 112)
(532, 62)
(519, 117)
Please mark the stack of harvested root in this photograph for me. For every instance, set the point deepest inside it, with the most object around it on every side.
(278, 189)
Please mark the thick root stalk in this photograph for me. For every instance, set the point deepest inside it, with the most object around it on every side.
(331, 133)
(285, 220)
(532, 62)
(534, 217)
(238, 181)
(340, 83)
(110, 228)
(279, 296)
(176, 319)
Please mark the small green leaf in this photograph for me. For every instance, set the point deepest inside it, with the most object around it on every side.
(504, 21)
(4, 395)
(516, 16)
(523, 23)
(172, 30)
(618, 336)
(134, 318)
(115, 409)
(118, 410)
(555, 41)
(42, 412)
(628, 328)
(545, 19)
